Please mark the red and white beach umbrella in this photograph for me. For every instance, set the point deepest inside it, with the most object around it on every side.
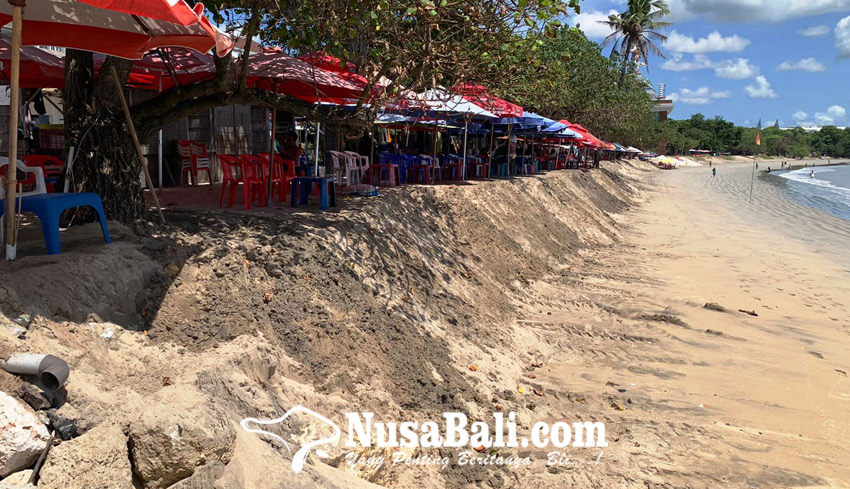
(124, 28)
(278, 72)
(39, 68)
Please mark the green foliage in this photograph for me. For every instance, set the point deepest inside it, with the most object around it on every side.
(565, 75)
(635, 30)
(723, 136)
(418, 44)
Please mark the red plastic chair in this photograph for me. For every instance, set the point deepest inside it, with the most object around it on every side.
(51, 166)
(238, 171)
(193, 159)
(283, 172)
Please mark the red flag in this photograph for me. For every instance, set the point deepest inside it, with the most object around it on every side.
(758, 134)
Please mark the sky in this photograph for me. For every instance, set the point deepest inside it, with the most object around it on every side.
(785, 60)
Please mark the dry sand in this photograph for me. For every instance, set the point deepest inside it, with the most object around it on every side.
(384, 305)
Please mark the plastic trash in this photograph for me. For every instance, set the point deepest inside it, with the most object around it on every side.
(360, 189)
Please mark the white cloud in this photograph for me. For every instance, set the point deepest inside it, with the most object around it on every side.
(713, 43)
(833, 116)
(817, 31)
(809, 64)
(590, 23)
(753, 11)
(678, 63)
(740, 69)
(842, 37)
(761, 89)
(700, 96)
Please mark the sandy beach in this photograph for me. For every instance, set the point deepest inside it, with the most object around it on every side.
(574, 295)
(719, 399)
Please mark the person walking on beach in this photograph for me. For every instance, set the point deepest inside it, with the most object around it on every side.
(714, 172)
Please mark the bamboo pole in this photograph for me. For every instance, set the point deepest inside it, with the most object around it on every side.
(12, 168)
(120, 88)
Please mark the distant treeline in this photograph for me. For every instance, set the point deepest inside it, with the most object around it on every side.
(723, 136)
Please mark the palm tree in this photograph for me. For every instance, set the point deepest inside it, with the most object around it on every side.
(635, 30)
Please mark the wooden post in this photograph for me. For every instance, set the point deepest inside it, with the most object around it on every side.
(12, 168)
(132, 128)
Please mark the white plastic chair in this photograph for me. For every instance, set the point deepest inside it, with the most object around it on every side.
(353, 171)
(40, 185)
(339, 168)
(362, 161)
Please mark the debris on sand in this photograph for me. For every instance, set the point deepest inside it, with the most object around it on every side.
(751, 313)
(713, 332)
(661, 317)
(713, 306)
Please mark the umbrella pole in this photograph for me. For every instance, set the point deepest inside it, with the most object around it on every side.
(120, 88)
(434, 158)
(159, 152)
(316, 164)
(235, 135)
(490, 152)
(12, 168)
(465, 133)
(271, 158)
(372, 146)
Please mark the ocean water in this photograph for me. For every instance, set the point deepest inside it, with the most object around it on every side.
(828, 190)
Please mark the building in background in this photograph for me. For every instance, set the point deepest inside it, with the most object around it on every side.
(662, 107)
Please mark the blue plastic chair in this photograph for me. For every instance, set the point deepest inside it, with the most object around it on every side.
(499, 167)
(49, 208)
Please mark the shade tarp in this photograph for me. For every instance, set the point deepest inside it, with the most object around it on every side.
(481, 96)
(441, 103)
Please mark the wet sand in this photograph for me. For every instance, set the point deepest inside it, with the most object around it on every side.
(713, 399)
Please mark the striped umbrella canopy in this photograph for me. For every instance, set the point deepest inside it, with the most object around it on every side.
(481, 96)
(124, 28)
(39, 68)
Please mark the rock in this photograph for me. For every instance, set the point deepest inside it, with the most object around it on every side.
(4, 485)
(32, 395)
(713, 306)
(65, 427)
(96, 460)
(22, 436)
(169, 446)
(203, 478)
(18, 479)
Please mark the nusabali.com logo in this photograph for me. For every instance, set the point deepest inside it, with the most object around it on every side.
(455, 431)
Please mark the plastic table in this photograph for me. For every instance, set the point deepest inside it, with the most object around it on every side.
(301, 189)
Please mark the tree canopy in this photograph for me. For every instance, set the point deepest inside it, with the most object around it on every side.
(565, 75)
(723, 136)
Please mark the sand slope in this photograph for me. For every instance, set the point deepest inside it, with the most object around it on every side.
(385, 304)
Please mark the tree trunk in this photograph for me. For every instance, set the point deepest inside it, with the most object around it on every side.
(106, 161)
